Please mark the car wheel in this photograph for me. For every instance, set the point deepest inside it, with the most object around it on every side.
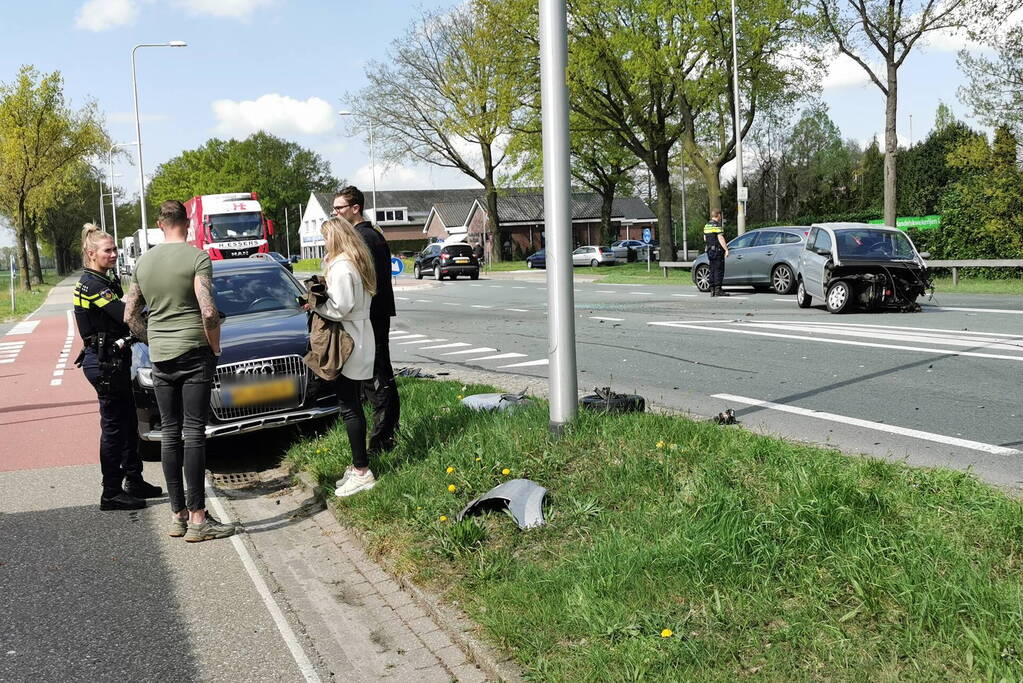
(802, 298)
(594, 263)
(701, 276)
(475, 275)
(436, 272)
(839, 297)
(616, 403)
(417, 272)
(782, 279)
(529, 264)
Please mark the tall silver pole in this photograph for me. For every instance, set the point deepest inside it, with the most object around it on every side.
(102, 208)
(685, 232)
(740, 216)
(113, 195)
(373, 167)
(557, 213)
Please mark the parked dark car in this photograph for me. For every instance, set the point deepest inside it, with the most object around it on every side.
(861, 265)
(294, 258)
(446, 260)
(765, 258)
(260, 381)
(537, 259)
(277, 257)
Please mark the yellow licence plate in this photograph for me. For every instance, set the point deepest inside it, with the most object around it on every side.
(461, 259)
(264, 392)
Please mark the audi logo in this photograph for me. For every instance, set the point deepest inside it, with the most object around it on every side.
(264, 369)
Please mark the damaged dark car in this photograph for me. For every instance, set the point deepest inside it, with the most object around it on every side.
(859, 265)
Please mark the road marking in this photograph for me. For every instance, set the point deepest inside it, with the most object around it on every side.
(518, 287)
(873, 333)
(517, 310)
(451, 303)
(788, 299)
(480, 306)
(420, 341)
(644, 293)
(869, 424)
(684, 295)
(24, 327)
(606, 291)
(972, 310)
(446, 346)
(600, 317)
(495, 286)
(6, 360)
(58, 372)
(54, 382)
(498, 356)
(482, 349)
(402, 298)
(526, 364)
(18, 344)
(304, 665)
(422, 301)
(475, 285)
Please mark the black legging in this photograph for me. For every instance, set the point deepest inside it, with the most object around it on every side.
(350, 401)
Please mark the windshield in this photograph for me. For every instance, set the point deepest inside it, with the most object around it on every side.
(266, 289)
(231, 226)
(873, 244)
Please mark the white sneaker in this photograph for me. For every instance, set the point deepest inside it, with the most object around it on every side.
(356, 482)
(348, 472)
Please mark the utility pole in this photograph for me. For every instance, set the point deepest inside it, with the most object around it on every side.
(740, 189)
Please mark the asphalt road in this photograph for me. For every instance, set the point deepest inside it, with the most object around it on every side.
(938, 387)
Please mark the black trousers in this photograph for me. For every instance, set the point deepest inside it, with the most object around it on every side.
(716, 258)
(382, 390)
(118, 441)
(182, 387)
(350, 402)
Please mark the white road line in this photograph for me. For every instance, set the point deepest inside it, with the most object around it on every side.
(644, 293)
(606, 291)
(402, 298)
(495, 286)
(452, 345)
(878, 426)
(894, 327)
(475, 285)
(24, 327)
(58, 373)
(499, 356)
(517, 310)
(789, 299)
(481, 349)
(684, 295)
(518, 287)
(451, 303)
(846, 342)
(600, 317)
(480, 306)
(6, 360)
(422, 301)
(407, 336)
(972, 310)
(528, 363)
(421, 341)
(14, 344)
(55, 382)
(304, 665)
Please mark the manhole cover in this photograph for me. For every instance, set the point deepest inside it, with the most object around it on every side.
(235, 478)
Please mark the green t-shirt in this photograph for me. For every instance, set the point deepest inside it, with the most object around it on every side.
(166, 275)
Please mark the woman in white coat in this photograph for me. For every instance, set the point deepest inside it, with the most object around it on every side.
(351, 284)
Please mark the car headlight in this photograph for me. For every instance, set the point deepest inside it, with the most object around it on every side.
(145, 376)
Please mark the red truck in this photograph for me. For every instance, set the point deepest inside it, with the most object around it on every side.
(230, 225)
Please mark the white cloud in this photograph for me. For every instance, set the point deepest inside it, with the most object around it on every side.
(129, 117)
(844, 72)
(100, 15)
(236, 9)
(275, 114)
(391, 177)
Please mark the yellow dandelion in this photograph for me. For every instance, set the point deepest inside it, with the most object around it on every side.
(443, 518)
(459, 397)
(673, 446)
(450, 470)
(666, 633)
(506, 471)
(660, 444)
(452, 488)
(478, 459)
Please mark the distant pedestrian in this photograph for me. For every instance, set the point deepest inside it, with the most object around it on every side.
(382, 392)
(717, 250)
(106, 361)
(477, 251)
(351, 283)
(183, 332)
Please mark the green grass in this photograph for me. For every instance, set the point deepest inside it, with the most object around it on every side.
(978, 286)
(761, 556)
(24, 302)
(307, 265)
(636, 273)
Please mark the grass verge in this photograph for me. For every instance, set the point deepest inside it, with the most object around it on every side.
(679, 550)
(943, 285)
(24, 302)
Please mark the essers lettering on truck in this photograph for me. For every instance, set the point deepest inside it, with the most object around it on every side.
(230, 225)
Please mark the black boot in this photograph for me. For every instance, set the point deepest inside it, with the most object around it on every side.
(721, 292)
(121, 501)
(137, 488)
(713, 291)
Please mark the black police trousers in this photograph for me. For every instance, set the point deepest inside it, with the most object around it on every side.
(382, 390)
(118, 442)
(716, 259)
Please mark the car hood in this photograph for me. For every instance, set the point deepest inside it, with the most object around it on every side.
(253, 335)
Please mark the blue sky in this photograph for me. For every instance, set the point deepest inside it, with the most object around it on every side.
(284, 64)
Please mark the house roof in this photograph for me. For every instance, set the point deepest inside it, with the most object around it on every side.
(453, 214)
(527, 207)
(326, 201)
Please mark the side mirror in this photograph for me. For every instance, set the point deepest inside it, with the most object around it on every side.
(925, 254)
(825, 253)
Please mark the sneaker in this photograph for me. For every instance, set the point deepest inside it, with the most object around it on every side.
(207, 531)
(177, 527)
(121, 501)
(142, 489)
(348, 471)
(356, 482)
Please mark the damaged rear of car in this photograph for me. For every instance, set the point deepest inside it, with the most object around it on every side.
(858, 265)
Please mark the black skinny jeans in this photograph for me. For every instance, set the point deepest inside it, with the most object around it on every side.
(182, 387)
(118, 446)
(349, 399)
(382, 390)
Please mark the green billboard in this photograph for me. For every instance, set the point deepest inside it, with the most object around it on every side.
(916, 222)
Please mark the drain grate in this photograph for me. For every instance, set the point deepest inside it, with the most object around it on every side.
(235, 478)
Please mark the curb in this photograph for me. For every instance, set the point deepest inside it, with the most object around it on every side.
(456, 625)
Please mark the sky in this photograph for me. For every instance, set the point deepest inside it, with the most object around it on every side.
(287, 66)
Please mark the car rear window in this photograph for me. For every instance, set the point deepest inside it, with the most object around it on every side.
(789, 238)
(459, 250)
(606, 250)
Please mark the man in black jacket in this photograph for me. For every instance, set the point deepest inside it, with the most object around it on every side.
(382, 391)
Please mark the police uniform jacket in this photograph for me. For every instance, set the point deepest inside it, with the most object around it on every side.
(98, 307)
(711, 231)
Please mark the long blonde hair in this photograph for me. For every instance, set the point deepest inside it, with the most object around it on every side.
(340, 238)
(92, 236)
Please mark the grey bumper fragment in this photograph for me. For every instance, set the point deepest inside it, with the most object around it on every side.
(509, 402)
(522, 497)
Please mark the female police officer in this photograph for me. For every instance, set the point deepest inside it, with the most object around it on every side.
(106, 360)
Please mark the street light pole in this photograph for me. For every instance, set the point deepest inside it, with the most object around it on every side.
(138, 135)
(740, 189)
(102, 210)
(372, 160)
(113, 195)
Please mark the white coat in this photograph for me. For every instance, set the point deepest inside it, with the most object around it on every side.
(348, 302)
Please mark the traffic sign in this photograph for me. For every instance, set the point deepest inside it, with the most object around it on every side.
(648, 235)
(743, 194)
(397, 266)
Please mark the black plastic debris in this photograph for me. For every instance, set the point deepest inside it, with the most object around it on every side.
(603, 400)
(487, 402)
(523, 498)
(409, 371)
(726, 417)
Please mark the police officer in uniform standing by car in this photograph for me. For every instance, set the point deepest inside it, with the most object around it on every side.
(717, 250)
(106, 361)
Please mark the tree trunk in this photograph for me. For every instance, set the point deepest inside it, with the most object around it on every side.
(495, 229)
(607, 231)
(32, 246)
(891, 146)
(19, 239)
(665, 234)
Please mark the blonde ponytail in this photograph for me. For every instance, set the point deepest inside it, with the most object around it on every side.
(92, 237)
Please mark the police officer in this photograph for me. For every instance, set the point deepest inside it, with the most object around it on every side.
(106, 361)
(717, 250)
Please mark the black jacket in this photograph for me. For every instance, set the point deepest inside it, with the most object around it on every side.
(383, 301)
(98, 305)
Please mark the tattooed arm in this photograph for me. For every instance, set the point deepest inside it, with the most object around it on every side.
(210, 315)
(134, 303)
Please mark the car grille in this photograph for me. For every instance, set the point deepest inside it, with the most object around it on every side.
(281, 367)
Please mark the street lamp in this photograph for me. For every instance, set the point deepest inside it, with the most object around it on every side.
(138, 133)
(740, 189)
(372, 161)
(113, 196)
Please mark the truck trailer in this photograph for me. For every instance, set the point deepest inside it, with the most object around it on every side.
(230, 225)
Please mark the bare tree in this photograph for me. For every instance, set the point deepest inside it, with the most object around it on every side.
(889, 29)
(995, 90)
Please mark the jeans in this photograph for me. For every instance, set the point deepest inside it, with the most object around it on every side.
(118, 440)
(382, 390)
(182, 387)
(716, 258)
(350, 402)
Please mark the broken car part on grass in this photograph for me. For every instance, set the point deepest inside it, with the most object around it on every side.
(522, 498)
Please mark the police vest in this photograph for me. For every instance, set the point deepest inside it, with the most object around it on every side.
(98, 305)
(711, 232)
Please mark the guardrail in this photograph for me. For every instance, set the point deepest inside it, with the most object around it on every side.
(954, 264)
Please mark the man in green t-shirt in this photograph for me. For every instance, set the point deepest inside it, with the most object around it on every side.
(183, 332)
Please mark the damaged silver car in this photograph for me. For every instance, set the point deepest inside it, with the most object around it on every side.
(859, 265)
